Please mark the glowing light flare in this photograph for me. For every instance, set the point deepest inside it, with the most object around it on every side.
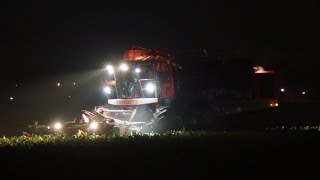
(303, 92)
(260, 69)
(10, 98)
(57, 126)
(137, 70)
(93, 126)
(107, 90)
(124, 67)
(274, 104)
(58, 84)
(282, 90)
(150, 88)
(110, 69)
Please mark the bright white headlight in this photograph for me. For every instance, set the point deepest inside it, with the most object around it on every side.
(124, 67)
(93, 126)
(110, 69)
(150, 88)
(57, 126)
(107, 90)
(137, 70)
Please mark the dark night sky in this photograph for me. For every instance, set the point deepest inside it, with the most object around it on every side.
(42, 36)
(46, 39)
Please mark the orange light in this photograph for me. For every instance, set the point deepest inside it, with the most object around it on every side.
(260, 69)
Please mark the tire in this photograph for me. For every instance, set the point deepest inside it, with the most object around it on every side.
(167, 121)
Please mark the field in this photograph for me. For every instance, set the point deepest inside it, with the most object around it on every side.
(277, 147)
(243, 155)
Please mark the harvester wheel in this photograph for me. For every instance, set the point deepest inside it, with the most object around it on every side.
(167, 121)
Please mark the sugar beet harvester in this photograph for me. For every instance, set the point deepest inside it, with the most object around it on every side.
(139, 90)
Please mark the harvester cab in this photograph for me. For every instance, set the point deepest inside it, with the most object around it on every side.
(131, 83)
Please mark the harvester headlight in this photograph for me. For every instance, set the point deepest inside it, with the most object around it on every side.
(57, 126)
(124, 67)
(150, 88)
(110, 69)
(137, 70)
(93, 126)
(107, 90)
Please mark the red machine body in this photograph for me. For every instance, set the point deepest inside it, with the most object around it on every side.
(164, 63)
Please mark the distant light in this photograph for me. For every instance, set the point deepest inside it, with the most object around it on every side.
(124, 67)
(276, 104)
(57, 126)
(58, 84)
(11, 98)
(16, 85)
(69, 96)
(303, 92)
(271, 105)
(137, 70)
(282, 90)
(74, 83)
(258, 69)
